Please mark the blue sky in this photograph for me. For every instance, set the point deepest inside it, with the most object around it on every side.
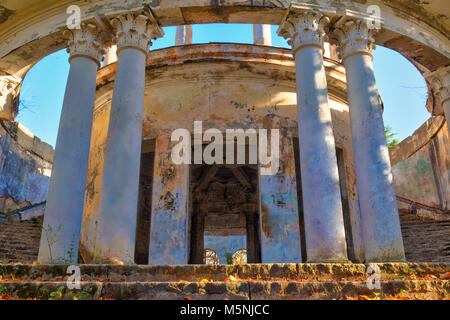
(401, 86)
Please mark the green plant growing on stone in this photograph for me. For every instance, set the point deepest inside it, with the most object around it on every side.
(3, 271)
(390, 137)
(229, 257)
(70, 252)
(9, 215)
(83, 295)
(14, 130)
(51, 238)
(402, 276)
(57, 295)
(3, 290)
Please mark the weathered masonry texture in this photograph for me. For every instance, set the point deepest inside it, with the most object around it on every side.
(425, 240)
(115, 195)
(422, 168)
(229, 87)
(25, 168)
(20, 242)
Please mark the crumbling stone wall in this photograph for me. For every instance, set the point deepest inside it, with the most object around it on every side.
(421, 167)
(25, 168)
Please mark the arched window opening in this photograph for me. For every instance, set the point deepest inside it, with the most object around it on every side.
(240, 257)
(211, 257)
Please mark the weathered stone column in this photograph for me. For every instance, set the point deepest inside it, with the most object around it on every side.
(262, 34)
(379, 213)
(324, 222)
(440, 82)
(65, 200)
(183, 35)
(116, 234)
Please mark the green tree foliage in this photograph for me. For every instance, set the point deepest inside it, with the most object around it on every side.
(390, 136)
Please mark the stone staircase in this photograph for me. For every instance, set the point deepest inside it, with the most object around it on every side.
(219, 282)
(19, 242)
(426, 240)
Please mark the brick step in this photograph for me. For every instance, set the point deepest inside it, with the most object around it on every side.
(19, 242)
(192, 273)
(426, 240)
(219, 290)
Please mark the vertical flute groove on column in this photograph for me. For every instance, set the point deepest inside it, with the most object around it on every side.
(379, 213)
(65, 200)
(116, 235)
(324, 222)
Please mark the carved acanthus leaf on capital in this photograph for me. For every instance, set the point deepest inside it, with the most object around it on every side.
(353, 36)
(88, 41)
(304, 28)
(136, 31)
(440, 85)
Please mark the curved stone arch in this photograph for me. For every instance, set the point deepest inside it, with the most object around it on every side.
(33, 29)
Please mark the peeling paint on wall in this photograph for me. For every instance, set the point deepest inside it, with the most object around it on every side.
(24, 177)
(280, 231)
(223, 94)
(169, 227)
(424, 177)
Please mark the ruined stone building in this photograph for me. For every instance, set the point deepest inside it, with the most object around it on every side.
(115, 194)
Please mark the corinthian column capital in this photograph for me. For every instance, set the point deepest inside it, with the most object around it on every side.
(354, 35)
(88, 41)
(440, 84)
(136, 31)
(305, 25)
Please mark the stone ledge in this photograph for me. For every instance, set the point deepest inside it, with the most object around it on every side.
(259, 272)
(249, 282)
(28, 141)
(257, 290)
(417, 140)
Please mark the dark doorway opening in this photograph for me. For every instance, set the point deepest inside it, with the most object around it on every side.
(144, 213)
(224, 213)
